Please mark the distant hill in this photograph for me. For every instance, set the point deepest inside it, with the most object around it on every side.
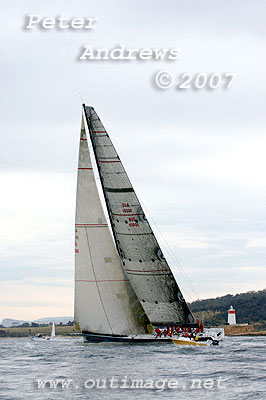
(250, 308)
(8, 322)
(56, 320)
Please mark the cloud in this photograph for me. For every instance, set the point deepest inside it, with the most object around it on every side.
(196, 158)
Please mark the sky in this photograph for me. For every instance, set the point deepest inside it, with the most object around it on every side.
(196, 157)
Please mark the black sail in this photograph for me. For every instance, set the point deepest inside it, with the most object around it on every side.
(140, 253)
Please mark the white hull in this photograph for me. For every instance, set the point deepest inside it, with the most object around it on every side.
(43, 339)
(203, 340)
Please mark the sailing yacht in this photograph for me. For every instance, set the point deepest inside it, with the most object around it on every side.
(124, 287)
(40, 337)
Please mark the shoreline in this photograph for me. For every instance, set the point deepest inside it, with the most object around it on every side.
(21, 331)
(69, 332)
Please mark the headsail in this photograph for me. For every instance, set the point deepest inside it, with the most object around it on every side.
(104, 299)
(53, 331)
(142, 258)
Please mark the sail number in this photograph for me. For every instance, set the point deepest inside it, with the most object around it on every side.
(76, 244)
(132, 220)
(126, 208)
(133, 224)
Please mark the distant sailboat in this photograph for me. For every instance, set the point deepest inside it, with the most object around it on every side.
(41, 336)
(52, 337)
(123, 284)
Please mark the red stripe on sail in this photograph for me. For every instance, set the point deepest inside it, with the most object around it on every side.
(130, 215)
(84, 168)
(83, 139)
(99, 131)
(91, 224)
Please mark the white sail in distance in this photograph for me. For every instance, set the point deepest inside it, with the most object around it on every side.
(104, 299)
(140, 253)
(53, 331)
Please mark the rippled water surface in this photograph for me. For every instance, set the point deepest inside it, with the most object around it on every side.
(234, 370)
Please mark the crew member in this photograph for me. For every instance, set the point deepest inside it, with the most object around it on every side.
(158, 333)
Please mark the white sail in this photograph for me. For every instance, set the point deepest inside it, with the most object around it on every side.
(142, 258)
(104, 299)
(53, 331)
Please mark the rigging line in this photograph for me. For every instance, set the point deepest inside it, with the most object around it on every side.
(172, 255)
(177, 263)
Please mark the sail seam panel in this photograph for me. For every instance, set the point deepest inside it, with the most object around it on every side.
(152, 270)
(109, 162)
(147, 273)
(119, 190)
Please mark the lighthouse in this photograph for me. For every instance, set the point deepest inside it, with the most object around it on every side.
(231, 316)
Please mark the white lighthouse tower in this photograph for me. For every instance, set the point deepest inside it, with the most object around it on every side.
(231, 316)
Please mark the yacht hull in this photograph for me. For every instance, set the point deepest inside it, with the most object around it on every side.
(98, 338)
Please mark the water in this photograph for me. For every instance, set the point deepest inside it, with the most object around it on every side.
(234, 370)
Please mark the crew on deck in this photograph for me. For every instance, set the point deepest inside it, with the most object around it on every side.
(187, 332)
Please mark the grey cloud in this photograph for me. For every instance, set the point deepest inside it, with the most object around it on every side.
(157, 134)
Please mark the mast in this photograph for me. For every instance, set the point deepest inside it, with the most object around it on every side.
(105, 301)
(139, 251)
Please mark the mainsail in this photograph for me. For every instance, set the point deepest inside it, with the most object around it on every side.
(104, 299)
(137, 247)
